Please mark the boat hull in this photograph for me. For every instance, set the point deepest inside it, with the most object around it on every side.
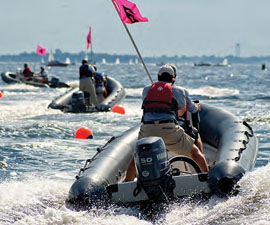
(230, 148)
(11, 78)
(116, 94)
(57, 64)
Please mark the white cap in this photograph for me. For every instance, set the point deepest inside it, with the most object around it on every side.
(173, 67)
(166, 69)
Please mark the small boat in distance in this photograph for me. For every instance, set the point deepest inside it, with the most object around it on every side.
(223, 64)
(103, 61)
(73, 101)
(117, 61)
(53, 62)
(202, 64)
(14, 78)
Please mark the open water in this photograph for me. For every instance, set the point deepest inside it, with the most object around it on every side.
(40, 157)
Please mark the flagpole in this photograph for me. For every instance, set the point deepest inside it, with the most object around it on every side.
(91, 53)
(91, 49)
(135, 46)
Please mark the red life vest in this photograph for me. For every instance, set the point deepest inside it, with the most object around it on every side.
(160, 99)
(27, 72)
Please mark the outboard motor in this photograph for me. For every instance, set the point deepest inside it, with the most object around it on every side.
(54, 82)
(153, 169)
(78, 101)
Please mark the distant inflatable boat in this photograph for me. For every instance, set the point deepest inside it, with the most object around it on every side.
(230, 148)
(223, 64)
(73, 101)
(12, 78)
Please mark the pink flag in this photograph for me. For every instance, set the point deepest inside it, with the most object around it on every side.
(88, 39)
(128, 12)
(41, 50)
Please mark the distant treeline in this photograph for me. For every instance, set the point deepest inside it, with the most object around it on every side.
(97, 57)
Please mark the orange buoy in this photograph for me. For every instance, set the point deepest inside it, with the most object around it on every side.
(118, 109)
(83, 133)
(1, 94)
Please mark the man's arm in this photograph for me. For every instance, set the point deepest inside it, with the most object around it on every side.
(192, 107)
(181, 112)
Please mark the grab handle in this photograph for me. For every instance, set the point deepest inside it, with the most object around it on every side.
(196, 118)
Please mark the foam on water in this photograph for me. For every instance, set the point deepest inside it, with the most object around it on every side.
(24, 109)
(214, 92)
(250, 206)
(134, 92)
(42, 201)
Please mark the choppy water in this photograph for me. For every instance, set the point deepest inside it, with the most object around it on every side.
(40, 157)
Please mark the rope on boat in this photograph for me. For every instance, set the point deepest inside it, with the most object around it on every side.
(245, 142)
(89, 161)
(249, 127)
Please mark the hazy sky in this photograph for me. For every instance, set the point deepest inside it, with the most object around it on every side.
(175, 27)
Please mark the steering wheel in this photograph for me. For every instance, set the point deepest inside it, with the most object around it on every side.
(186, 160)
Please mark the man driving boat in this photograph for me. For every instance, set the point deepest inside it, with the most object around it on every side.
(162, 104)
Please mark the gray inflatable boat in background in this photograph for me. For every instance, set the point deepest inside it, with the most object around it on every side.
(12, 78)
(74, 100)
(230, 148)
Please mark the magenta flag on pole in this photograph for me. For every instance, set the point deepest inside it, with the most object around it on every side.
(41, 50)
(88, 39)
(128, 12)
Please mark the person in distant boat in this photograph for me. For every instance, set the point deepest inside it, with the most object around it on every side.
(100, 82)
(27, 73)
(87, 83)
(43, 75)
(183, 119)
(162, 104)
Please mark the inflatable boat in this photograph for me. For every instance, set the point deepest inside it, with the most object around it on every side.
(230, 148)
(12, 78)
(74, 100)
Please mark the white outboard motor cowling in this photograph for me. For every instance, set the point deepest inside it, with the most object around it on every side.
(153, 169)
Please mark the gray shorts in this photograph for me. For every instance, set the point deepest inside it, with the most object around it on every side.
(87, 84)
(174, 137)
